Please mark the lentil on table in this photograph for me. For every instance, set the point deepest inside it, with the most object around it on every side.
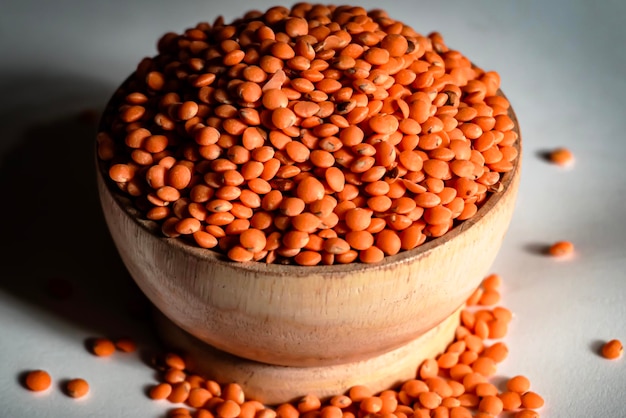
(303, 125)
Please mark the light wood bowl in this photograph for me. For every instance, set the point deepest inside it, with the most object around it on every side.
(330, 323)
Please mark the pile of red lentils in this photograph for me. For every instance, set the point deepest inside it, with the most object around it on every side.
(311, 135)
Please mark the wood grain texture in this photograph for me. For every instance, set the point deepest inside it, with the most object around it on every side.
(309, 316)
(273, 384)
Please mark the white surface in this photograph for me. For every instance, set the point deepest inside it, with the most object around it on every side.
(562, 65)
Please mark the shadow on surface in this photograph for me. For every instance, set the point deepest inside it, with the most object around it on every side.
(537, 248)
(596, 347)
(544, 155)
(52, 221)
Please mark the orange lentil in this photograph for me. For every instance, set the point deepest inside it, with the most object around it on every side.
(491, 405)
(429, 400)
(174, 376)
(198, 397)
(493, 281)
(469, 400)
(126, 345)
(484, 365)
(497, 352)
(471, 380)
(439, 386)
(341, 401)
(195, 381)
(253, 240)
(38, 380)
(77, 388)
(502, 314)
(519, 384)
(160, 391)
(310, 189)
(359, 392)
(489, 298)
(308, 258)
(371, 255)
(497, 328)
(437, 215)
(358, 219)
(174, 361)
(612, 349)
(265, 413)
(486, 389)
(561, 156)
(228, 409)
(561, 249)
(371, 405)
(510, 401)
(250, 408)
(429, 368)
(527, 413)
(447, 360)
(102, 347)
(234, 392)
(460, 412)
(532, 400)
(180, 392)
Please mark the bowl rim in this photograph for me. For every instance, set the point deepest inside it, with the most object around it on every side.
(124, 202)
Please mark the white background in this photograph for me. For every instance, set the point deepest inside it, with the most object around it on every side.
(563, 66)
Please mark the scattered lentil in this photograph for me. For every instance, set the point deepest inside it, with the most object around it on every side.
(126, 345)
(102, 347)
(561, 156)
(77, 388)
(38, 380)
(612, 349)
(561, 249)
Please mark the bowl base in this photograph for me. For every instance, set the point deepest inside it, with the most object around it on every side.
(271, 384)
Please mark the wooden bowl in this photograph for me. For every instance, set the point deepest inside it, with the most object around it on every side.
(322, 318)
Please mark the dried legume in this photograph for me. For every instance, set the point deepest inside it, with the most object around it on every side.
(77, 388)
(561, 249)
(102, 347)
(612, 349)
(312, 102)
(561, 156)
(38, 380)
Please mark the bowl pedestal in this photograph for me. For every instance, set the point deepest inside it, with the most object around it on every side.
(272, 384)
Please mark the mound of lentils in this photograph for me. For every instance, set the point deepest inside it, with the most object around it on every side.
(313, 135)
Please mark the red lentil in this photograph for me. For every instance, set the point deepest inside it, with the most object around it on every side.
(77, 388)
(38, 380)
(160, 391)
(527, 413)
(511, 401)
(518, 384)
(126, 345)
(343, 99)
(561, 156)
(612, 349)
(102, 347)
(561, 249)
(532, 400)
